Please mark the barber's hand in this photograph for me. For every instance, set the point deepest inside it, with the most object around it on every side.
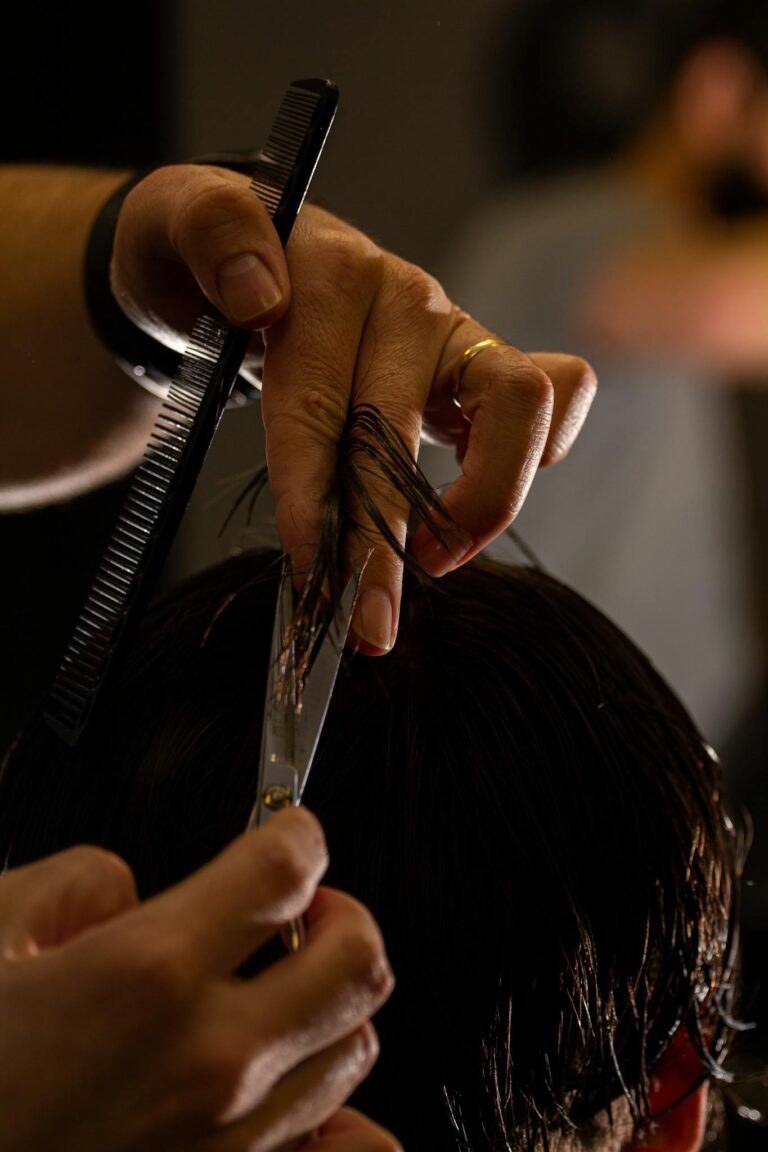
(124, 1028)
(347, 1131)
(363, 326)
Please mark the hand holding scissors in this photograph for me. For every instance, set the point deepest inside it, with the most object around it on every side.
(295, 707)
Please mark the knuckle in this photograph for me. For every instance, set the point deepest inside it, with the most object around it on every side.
(341, 269)
(79, 858)
(108, 866)
(211, 1077)
(417, 290)
(326, 411)
(318, 416)
(96, 870)
(149, 188)
(283, 863)
(154, 972)
(310, 827)
(351, 261)
(532, 388)
(83, 857)
(215, 204)
(361, 956)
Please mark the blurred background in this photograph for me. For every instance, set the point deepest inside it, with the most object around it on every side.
(533, 155)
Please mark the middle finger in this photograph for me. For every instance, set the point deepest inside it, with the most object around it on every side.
(400, 350)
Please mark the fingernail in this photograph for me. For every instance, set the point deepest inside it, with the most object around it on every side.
(247, 287)
(435, 559)
(369, 1044)
(372, 620)
(383, 979)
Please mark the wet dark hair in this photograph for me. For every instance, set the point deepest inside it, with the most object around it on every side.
(517, 795)
(571, 81)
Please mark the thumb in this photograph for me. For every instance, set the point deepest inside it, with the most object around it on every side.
(350, 1131)
(347, 1131)
(42, 905)
(186, 229)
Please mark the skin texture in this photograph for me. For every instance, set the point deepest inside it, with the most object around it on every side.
(158, 1044)
(70, 419)
(345, 322)
(362, 326)
(177, 1054)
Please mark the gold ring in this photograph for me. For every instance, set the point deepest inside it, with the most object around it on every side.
(463, 363)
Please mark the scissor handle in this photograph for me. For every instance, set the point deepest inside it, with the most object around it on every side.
(277, 797)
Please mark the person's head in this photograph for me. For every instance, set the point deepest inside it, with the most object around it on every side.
(578, 81)
(516, 794)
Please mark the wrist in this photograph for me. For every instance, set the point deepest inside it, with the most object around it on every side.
(141, 356)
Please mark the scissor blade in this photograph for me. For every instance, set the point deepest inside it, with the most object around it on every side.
(276, 763)
(318, 687)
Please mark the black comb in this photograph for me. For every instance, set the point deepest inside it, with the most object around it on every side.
(162, 484)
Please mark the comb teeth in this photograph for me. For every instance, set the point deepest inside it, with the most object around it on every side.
(183, 430)
(285, 141)
(135, 535)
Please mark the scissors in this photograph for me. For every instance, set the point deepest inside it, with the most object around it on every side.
(293, 720)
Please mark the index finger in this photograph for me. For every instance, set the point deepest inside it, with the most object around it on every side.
(232, 906)
(309, 370)
(365, 327)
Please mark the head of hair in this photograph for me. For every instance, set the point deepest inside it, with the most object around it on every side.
(516, 794)
(573, 81)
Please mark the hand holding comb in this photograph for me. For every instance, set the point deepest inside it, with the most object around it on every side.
(183, 432)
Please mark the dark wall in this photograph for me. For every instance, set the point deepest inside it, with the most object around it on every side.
(408, 154)
(74, 92)
(77, 88)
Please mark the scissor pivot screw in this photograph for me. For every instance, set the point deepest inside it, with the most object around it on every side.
(277, 796)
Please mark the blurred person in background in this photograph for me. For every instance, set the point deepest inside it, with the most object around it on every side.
(628, 129)
(632, 228)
